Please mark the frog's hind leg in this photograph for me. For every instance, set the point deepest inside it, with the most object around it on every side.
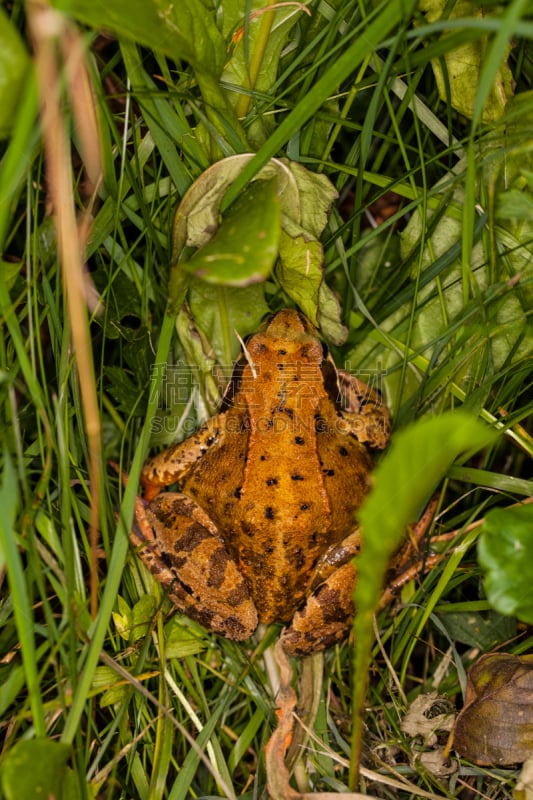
(326, 618)
(180, 546)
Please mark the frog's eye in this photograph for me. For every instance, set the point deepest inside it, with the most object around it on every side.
(329, 374)
(234, 383)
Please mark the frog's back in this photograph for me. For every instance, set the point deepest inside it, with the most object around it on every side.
(284, 481)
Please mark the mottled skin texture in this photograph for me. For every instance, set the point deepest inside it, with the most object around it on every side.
(263, 528)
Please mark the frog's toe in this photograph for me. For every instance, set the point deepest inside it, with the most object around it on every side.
(325, 619)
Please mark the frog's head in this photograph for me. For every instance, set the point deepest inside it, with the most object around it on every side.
(287, 344)
(290, 330)
(290, 324)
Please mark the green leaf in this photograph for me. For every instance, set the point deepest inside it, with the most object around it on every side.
(245, 246)
(14, 65)
(482, 631)
(34, 768)
(505, 552)
(181, 640)
(418, 458)
(124, 391)
(463, 66)
(317, 195)
(142, 616)
(300, 272)
(110, 685)
(219, 313)
(198, 214)
(180, 30)
(403, 481)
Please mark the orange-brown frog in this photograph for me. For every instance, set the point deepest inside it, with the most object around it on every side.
(264, 528)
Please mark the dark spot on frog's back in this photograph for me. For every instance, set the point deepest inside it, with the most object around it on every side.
(343, 451)
(299, 440)
(271, 481)
(269, 512)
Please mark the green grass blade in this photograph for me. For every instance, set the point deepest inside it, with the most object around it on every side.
(18, 587)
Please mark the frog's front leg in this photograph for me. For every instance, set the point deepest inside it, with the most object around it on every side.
(327, 616)
(180, 546)
(173, 464)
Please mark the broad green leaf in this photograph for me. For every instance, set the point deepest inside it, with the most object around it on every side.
(184, 30)
(505, 552)
(329, 315)
(14, 66)
(198, 214)
(300, 271)
(34, 768)
(134, 623)
(301, 274)
(418, 458)
(403, 481)
(245, 245)
(305, 200)
(220, 312)
(317, 195)
(463, 66)
(122, 618)
(482, 631)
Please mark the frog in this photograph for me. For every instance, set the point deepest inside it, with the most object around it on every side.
(262, 528)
